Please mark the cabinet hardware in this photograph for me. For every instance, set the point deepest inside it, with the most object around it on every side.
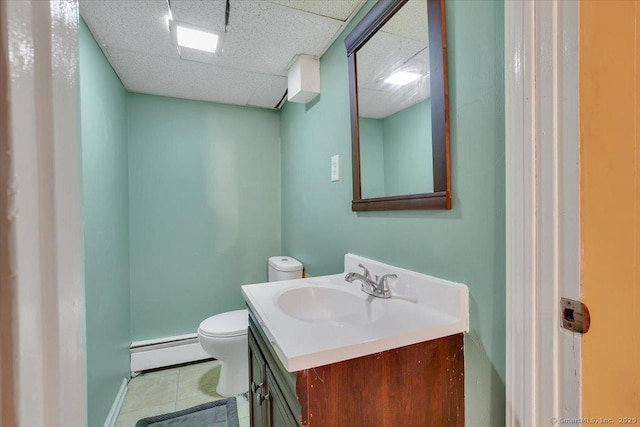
(255, 387)
(260, 398)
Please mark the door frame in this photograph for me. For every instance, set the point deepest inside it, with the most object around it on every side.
(543, 372)
(43, 346)
(542, 223)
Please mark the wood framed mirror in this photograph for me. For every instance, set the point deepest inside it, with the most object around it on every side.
(399, 107)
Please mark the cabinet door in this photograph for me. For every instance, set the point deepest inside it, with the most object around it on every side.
(258, 410)
(279, 413)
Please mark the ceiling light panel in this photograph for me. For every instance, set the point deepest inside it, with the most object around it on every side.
(261, 36)
(402, 78)
(195, 37)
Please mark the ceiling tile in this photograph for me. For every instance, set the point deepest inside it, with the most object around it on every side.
(205, 13)
(139, 26)
(378, 104)
(263, 37)
(269, 91)
(336, 9)
(410, 21)
(401, 45)
(385, 53)
(261, 40)
(159, 75)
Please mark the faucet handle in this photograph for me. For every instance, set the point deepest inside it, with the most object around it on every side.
(382, 281)
(366, 272)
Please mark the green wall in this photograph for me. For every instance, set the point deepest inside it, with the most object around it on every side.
(371, 157)
(395, 153)
(408, 157)
(204, 209)
(465, 244)
(106, 227)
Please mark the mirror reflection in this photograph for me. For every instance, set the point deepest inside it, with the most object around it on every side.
(394, 106)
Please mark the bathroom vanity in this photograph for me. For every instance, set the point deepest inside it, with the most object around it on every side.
(324, 353)
(417, 385)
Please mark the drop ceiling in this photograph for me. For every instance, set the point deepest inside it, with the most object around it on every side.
(400, 45)
(262, 39)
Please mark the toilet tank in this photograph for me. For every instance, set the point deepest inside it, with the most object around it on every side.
(284, 268)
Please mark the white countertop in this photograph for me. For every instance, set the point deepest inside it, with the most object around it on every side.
(422, 308)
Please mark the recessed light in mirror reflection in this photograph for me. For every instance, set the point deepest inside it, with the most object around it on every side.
(401, 78)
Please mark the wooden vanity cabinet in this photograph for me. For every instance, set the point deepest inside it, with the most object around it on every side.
(419, 385)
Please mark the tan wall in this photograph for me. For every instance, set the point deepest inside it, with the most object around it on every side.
(610, 205)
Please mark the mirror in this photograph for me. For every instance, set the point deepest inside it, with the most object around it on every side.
(399, 107)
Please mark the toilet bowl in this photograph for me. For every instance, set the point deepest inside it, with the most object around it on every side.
(224, 336)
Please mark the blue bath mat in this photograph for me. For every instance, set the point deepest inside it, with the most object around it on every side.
(219, 413)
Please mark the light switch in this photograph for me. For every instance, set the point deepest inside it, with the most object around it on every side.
(335, 168)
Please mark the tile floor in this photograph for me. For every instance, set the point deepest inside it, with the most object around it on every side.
(173, 389)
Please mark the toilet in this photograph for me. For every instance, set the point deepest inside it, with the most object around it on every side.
(224, 336)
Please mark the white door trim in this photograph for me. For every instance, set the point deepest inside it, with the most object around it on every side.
(542, 197)
(44, 211)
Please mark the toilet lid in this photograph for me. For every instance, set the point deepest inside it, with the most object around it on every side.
(229, 324)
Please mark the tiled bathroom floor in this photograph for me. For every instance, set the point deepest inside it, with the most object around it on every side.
(170, 390)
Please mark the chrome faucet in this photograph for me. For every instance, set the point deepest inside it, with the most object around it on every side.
(377, 288)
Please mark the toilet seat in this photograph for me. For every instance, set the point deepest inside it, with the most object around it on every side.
(229, 324)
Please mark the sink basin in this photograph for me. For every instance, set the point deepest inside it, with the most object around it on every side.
(320, 320)
(327, 305)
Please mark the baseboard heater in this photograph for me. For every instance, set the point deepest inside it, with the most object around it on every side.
(161, 352)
